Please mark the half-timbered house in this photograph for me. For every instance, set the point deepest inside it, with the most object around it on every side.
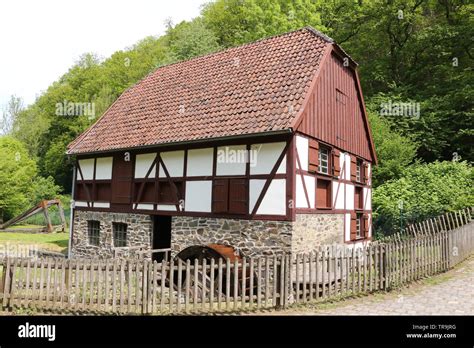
(264, 147)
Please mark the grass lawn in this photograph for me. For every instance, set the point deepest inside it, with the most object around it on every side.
(57, 242)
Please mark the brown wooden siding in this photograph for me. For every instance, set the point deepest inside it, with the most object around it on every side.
(122, 177)
(334, 113)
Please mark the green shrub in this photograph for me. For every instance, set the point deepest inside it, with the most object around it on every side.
(425, 190)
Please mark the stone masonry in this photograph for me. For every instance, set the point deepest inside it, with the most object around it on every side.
(139, 233)
(257, 237)
(248, 237)
(313, 230)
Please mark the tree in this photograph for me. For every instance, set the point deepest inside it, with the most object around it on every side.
(43, 188)
(394, 151)
(235, 22)
(17, 172)
(190, 39)
(10, 114)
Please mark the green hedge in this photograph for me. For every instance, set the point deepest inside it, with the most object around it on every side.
(425, 190)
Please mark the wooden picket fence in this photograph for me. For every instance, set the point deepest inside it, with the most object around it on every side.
(445, 222)
(203, 286)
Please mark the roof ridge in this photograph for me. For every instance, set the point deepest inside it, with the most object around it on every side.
(308, 28)
(319, 34)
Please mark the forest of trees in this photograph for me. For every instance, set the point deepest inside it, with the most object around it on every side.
(410, 52)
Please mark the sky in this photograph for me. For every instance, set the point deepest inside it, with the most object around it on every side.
(41, 39)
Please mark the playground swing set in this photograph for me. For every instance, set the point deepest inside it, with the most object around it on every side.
(43, 206)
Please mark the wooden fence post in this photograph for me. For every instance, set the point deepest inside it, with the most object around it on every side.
(287, 277)
(278, 280)
(7, 283)
(4, 275)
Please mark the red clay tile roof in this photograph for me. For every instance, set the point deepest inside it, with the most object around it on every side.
(255, 88)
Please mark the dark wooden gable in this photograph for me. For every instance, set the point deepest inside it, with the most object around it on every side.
(335, 112)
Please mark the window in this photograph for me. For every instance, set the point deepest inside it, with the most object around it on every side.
(359, 170)
(323, 194)
(359, 226)
(230, 196)
(93, 230)
(120, 234)
(323, 160)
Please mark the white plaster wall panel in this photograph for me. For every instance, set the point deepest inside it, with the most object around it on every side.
(200, 162)
(347, 227)
(349, 196)
(143, 163)
(369, 171)
(264, 156)
(80, 204)
(302, 146)
(274, 202)
(101, 205)
(370, 225)
(255, 188)
(145, 206)
(87, 168)
(198, 196)
(367, 198)
(300, 196)
(231, 160)
(348, 167)
(166, 207)
(342, 160)
(310, 182)
(103, 170)
(174, 162)
(338, 194)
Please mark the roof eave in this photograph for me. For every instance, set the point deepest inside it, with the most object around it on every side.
(189, 142)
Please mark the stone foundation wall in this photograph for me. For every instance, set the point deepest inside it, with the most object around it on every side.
(313, 230)
(139, 233)
(249, 237)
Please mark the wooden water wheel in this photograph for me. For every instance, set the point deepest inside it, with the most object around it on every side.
(201, 279)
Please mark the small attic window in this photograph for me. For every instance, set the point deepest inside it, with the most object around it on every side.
(341, 97)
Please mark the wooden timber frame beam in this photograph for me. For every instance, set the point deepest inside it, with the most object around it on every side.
(270, 178)
(303, 180)
(142, 186)
(89, 201)
(157, 162)
(171, 182)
